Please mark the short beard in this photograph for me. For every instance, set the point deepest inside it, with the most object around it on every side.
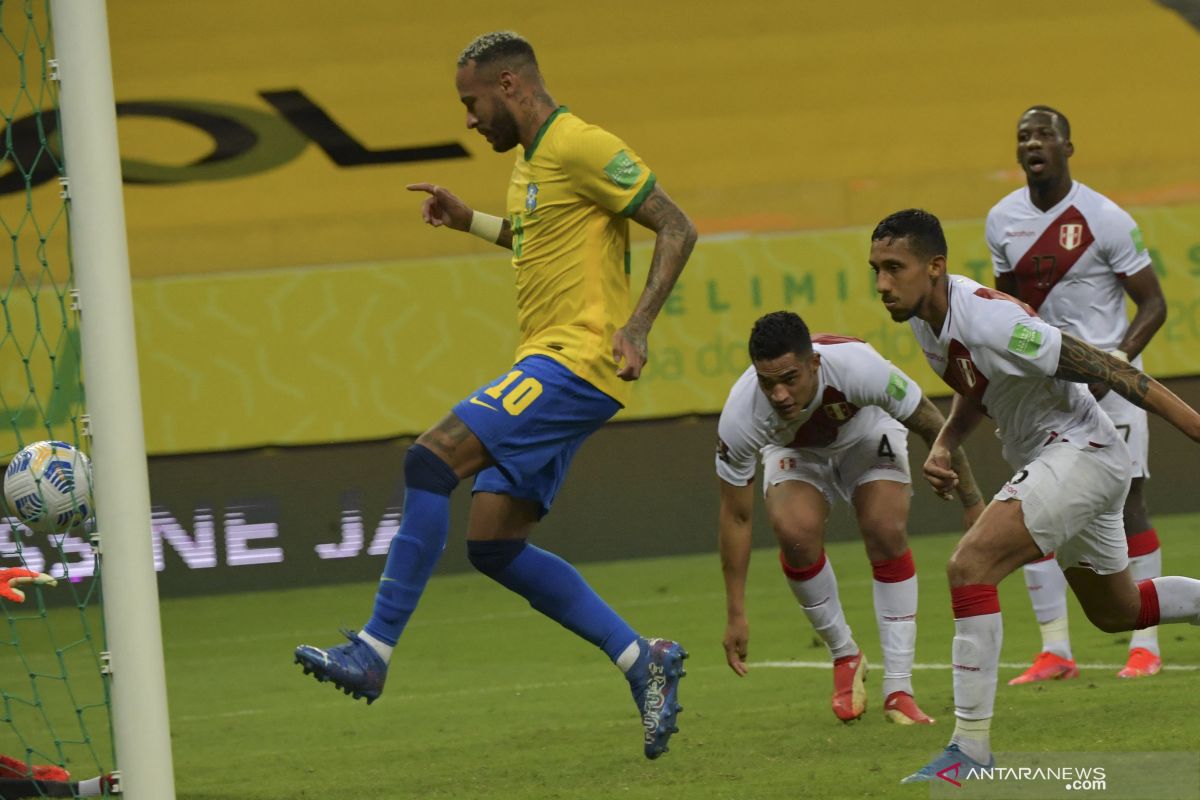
(504, 131)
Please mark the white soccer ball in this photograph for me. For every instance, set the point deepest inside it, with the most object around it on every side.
(48, 485)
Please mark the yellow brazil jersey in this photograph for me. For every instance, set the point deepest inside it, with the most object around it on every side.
(569, 201)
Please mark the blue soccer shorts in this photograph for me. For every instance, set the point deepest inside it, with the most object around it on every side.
(531, 420)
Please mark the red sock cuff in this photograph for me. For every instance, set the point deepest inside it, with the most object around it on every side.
(974, 600)
(1148, 613)
(1048, 557)
(894, 570)
(1143, 544)
(803, 573)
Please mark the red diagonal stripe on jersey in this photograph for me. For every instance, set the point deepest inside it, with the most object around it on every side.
(821, 429)
(1052, 256)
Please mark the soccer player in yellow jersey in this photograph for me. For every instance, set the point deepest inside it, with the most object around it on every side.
(574, 189)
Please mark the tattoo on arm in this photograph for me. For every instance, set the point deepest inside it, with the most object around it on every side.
(672, 245)
(1080, 362)
(968, 490)
(926, 421)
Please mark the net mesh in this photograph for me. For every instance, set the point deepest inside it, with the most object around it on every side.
(55, 700)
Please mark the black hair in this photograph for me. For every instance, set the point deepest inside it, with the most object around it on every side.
(1060, 119)
(778, 333)
(922, 229)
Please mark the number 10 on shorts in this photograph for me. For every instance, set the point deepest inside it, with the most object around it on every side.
(513, 395)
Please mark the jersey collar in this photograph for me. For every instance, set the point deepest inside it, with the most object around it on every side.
(542, 130)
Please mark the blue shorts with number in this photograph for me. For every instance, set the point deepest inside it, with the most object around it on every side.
(531, 420)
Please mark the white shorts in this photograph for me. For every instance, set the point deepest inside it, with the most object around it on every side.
(878, 454)
(1072, 502)
(1131, 422)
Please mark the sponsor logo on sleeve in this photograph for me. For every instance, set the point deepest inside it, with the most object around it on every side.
(897, 386)
(1025, 341)
(1138, 243)
(622, 170)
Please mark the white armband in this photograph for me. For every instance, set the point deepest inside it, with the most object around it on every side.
(486, 227)
(1121, 354)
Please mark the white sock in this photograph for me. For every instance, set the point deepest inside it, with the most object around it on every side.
(382, 648)
(818, 597)
(1048, 592)
(976, 657)
(1178, 599)
(1144, 568)
(629, 656)
(896, 614)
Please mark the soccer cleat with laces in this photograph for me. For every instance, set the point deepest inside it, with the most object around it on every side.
(1141, 664)
(1047, 667)
(654, 680)
(953, 766)
(354, 667)
(849, 687)
(902, 709)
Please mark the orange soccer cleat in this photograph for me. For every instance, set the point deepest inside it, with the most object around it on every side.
(902, 709)
(1141, 664)
(1047, 667)
(849, 687)
(16, 769)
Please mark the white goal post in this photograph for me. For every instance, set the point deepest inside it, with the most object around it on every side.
(122, 497)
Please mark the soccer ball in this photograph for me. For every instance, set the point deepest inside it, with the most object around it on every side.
(49, 486)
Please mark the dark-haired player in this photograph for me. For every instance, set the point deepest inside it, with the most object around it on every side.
(821, 414)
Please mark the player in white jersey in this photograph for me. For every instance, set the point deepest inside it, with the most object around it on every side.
(821, 412)
(1073, 255)
(1072, 466)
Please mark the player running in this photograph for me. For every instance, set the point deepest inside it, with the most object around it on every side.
(573, 190)
(1072, 465)
(1072, 255)
(822, 413)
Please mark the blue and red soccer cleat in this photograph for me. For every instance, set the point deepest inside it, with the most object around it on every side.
(654, 679)
(952, 766)
(354, 667)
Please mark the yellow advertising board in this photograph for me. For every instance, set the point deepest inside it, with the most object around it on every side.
(316, 355)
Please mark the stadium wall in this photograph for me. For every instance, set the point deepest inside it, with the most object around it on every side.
(290, 517)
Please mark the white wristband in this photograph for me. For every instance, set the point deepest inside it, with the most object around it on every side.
(1121, 354)
(486, 227)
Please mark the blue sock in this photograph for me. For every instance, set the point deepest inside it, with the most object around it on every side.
(417, 546)
(555, 588)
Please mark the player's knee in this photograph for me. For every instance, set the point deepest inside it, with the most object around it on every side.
(424, 470)
(963, 568)
(799, 551)
(491, 557)
(885, 539)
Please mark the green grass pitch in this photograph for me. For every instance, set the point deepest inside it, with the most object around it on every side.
(487, 699)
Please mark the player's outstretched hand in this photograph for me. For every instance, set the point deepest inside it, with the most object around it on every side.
(630, 352)
(737, 638)
(938, 472)
(442, 207)
(14, 577)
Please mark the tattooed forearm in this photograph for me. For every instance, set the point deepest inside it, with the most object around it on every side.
(672, 246)
(1082, 363)
(926, 421)
(968, 490)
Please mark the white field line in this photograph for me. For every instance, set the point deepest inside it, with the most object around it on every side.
(1004, 664)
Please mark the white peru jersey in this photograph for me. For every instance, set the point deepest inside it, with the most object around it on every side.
(995, 351)
(856, 388)
(1069, 261)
